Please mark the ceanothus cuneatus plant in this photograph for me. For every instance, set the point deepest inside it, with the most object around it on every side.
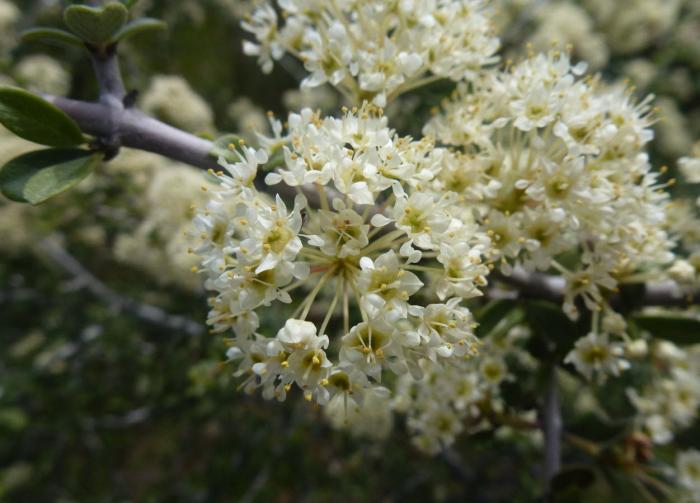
(521, 230)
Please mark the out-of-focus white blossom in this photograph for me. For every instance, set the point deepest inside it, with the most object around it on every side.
(632, 25)
(595, 354)
(43, 74)
(566, 23)
(671, 400)
(250, 119)
(9, 15)
(672, 131)
(688, 475)
(690, 166)
(171, 98)
(322, 98)
(159, 244)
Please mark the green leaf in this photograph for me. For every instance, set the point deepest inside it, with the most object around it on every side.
(37, 176)
(35, 119)
(570, 484)
(96, 25)
(139, 26)
(492, 314)
(51, 35)
(681, 330)
(13, 419)
(687, 190)
(554, 334)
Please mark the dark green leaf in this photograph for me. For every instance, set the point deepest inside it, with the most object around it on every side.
(678, 329)
(35, 119)
(491, 315)
(39, 175)
(687, 190)
(139, 26)
(570, 483)
(96, 25)
(51, 35)
(553, 332)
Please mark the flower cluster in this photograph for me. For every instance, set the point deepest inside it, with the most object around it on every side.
(684, 224)
(671, 400)
(448, 399)
(158, 244)
(373, 49)
(379, 253)
(552, 162)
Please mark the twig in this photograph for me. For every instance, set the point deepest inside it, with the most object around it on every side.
(258, 483)
(116, 302)
(552, 426)
(137, 130)
(455, 464)
(542, 286)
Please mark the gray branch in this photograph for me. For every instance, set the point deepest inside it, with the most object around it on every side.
(118, 303)
(549, 287)
(137, 130)
(116, 124)
(552, 426)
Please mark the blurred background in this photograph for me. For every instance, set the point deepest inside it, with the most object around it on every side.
(111, 389)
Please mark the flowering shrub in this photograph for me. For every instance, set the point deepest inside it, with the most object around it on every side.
(469, 238)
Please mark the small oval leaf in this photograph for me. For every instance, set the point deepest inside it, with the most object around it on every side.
(139, 26)
(35, 119)
(51, 35)
(96, 25)
(37, 176)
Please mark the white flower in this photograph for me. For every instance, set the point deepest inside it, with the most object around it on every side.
(688, 472)
(596, 354)
(297, 334)
(386, 286)
(682, 271)
(690, 167)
